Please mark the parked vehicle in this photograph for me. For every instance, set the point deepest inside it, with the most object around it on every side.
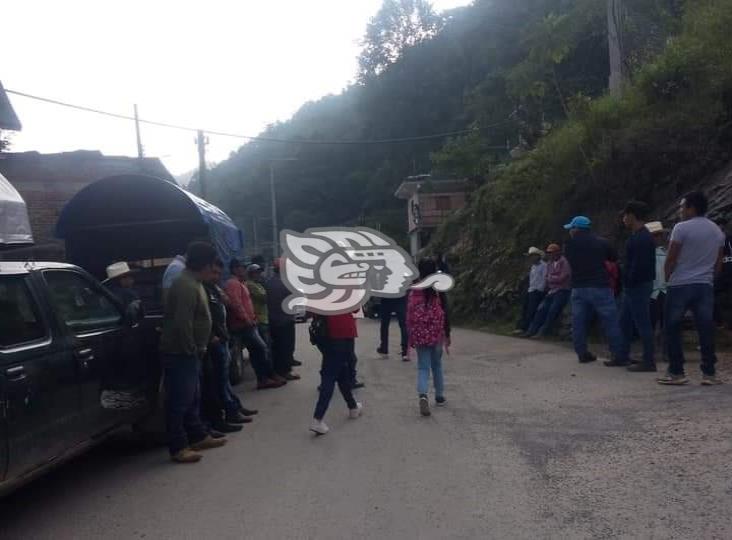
(65, 340)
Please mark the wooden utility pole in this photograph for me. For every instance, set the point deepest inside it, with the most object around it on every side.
(201, 141)
(140, 152)
(615, 41)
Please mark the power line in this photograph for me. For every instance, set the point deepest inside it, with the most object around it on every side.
(250, 137)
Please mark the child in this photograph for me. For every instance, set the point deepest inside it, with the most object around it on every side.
(429, 331)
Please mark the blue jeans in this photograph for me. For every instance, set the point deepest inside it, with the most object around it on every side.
(635, 312)
(336, 369)
(699, 299)
(258, 354)
(532, 301)
(221, 360)
(549, 311)
(430, 358)
(585, 301)
(182, 401)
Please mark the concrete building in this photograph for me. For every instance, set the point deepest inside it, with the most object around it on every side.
(48, 181)
(429, 203)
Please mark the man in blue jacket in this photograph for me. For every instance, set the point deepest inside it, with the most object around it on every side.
(638, 278)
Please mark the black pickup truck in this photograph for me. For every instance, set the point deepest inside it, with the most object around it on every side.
(67, 347)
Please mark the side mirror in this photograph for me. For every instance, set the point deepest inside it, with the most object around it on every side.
(134, 313)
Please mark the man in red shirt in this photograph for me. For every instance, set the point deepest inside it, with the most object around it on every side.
(243, 325)
(338, 352)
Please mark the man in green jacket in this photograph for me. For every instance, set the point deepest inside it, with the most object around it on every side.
(185, 338)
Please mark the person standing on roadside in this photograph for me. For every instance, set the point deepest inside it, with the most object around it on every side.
(243, 325)
(429, 332)
(694, 257)
(536, 291)
(338, 349)
(281, 326)
(558, 281)
(591, 290)
(658, 296)
(638, 278)
(397, 307)
(184, 341)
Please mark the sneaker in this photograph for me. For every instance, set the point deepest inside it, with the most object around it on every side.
(292, 377)
(355, 413)
(237, 418)
(225, 427)
(216, 434)
(248, 412)
(711, 380)
(672, 380)
(642, 367)
(440, 401)
(424, 406)
(208, 443)
(186, 456)
(357, 385)
(405, 358)
(587, 358)
(318, 427)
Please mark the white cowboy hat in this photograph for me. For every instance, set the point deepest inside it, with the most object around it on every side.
(116, 270)
(535, 251)
(655, 227)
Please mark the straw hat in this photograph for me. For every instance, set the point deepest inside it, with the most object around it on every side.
(116, 270)
(655, 227)
(535, 251)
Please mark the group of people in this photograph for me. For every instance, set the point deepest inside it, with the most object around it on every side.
(662, 279)
(204, 324)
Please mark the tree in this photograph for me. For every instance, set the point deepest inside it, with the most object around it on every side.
(398, 25)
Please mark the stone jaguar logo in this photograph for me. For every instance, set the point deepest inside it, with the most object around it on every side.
(331, 271)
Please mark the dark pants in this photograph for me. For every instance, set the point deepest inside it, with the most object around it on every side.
(658, 306)
(532, 301)
(250, 339)
(548, 312)
(700, 300)
(337, 356)
(352, 367)
(396, 306)
(212, 407)
(220, 363)
(283, 347)
(182, 395)
(635, 313)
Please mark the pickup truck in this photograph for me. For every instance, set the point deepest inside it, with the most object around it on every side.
(65, 341)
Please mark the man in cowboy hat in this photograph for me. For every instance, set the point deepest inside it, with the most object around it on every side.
(536, 291)
(121, 282)
(558, 277)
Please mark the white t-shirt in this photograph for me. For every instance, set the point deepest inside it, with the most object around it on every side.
(701, 240)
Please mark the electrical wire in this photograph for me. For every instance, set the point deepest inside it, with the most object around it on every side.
(250, 137)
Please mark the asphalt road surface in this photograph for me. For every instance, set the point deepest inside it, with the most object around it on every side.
(531, 445)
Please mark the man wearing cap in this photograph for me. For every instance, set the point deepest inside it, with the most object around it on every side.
(536, 291)
(281, 326)
(558, 279)
(591, 290)
(638, 278)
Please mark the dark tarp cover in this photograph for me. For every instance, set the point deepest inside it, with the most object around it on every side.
(137, 217)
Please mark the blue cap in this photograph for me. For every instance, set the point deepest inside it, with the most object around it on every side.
(579, 222)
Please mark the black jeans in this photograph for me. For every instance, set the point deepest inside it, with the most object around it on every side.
(250, 339)
(337, 356)
(532, 301)
(212, 407)
(283, 347)
(182, 396)
(395, 306)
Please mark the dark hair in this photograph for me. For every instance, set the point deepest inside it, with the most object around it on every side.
(427, 267)
(638, 209)
(698, 201)
(234, 264)
(199, 255)
(258, 259)
(218, 263)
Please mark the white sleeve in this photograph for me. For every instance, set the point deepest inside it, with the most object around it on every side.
(678, 234)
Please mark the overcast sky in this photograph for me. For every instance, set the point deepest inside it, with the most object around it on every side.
(225, 65)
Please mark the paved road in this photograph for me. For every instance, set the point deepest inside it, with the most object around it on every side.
(532, 445)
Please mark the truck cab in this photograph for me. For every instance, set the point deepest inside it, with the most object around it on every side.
(65, 340)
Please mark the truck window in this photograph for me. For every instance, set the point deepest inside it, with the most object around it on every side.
(80, 303)
(20, 322)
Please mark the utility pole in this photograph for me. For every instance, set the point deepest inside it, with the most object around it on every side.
(615, 41)
(201, 141)
(275, 240)
(140, 153)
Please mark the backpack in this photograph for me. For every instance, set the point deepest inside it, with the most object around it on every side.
(318, 330)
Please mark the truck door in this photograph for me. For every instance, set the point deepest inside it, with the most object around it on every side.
(41, 401)
(101, 344)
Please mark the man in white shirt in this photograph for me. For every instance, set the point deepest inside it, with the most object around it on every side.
(694, 257)
(536, 292)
